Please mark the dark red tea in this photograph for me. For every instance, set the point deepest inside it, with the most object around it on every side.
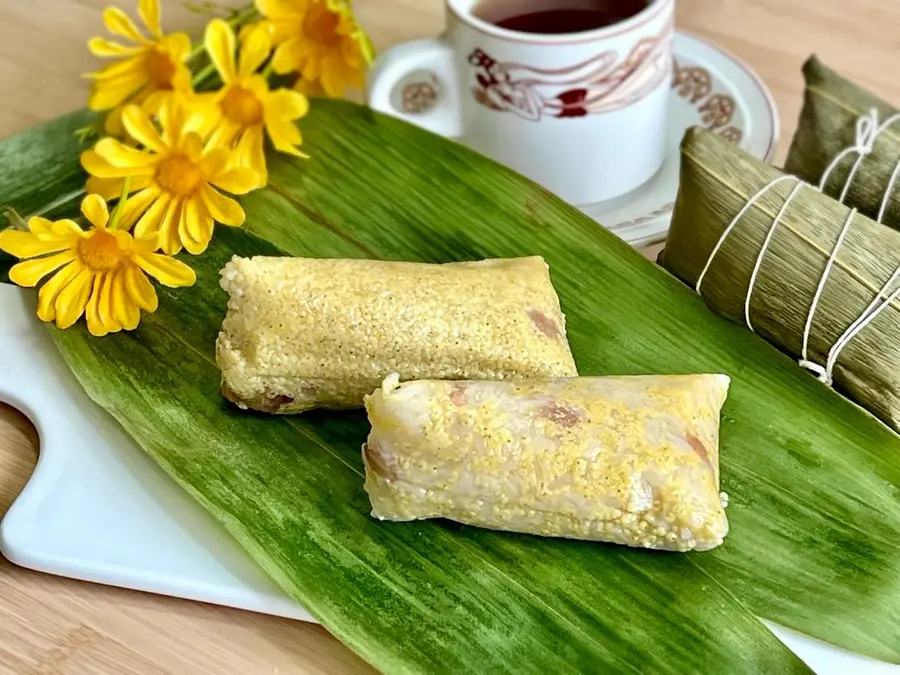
(546, 17)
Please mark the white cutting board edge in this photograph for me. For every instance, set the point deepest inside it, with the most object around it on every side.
(98, 509)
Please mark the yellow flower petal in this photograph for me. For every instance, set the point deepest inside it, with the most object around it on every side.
(138, 125)
(192, 146)
(28, 245)
(136, 205)
(287, 104)
(139, 288)
(285, 59)
(220, 44)
(118, 23)
(95, 210)
(99, 167)
(224, 135)
(105, 305)
(133, 66)
(122, 309)
(107, 94)
(223, 209)
(196, 226)
(149, 222)
(111, 188)
(95, 324)
(249, 153)
(65, 230)
(301, 56)
(113, 123)
(108, 188)
(27, 274)
(39, 227)
(46, 310)
(104, 48)
(254, 51)
(118, 155)
(166, 270)
(72, 300)
(149, 11)
(204, 113)
(178, 45)
(173, 118)
(281, 8)
(308, 88)
(331, 79)
(214, 162)
(285, 136)
(169, 241)
(236, 181)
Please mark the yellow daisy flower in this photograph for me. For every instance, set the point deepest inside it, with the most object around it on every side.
(246, 107)
(145, 72)
(174, 177)
(100, 273)
(321, 40)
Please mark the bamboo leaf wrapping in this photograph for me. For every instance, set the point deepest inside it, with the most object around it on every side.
(831, 107)
(791, 269)
(812, 478)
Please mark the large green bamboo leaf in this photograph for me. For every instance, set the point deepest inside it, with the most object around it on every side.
(812, 478)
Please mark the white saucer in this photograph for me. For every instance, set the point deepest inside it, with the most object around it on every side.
(712, 89)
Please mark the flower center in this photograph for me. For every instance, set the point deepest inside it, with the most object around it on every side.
(178, 175)
(242, 107)
(100, 252)
(160, 69)
(321, 25)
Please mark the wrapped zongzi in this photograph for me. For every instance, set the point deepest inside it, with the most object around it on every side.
(303, 333)
(629, 460)
(808, 274)
(856, 135)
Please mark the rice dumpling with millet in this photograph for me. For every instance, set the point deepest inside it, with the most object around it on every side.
(303, 333)
(628, 460)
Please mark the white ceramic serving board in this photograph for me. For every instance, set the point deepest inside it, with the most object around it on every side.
(98, 509)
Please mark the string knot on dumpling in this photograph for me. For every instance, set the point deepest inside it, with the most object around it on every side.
(867, 132)
(821, 374)
(868, 129)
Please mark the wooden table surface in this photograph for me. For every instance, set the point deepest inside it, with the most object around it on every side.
(50, 625)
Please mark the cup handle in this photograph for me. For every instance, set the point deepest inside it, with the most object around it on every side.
(433, 105)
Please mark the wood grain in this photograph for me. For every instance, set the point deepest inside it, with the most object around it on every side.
(50, 625)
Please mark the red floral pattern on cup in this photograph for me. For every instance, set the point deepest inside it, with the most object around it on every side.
(602, 84)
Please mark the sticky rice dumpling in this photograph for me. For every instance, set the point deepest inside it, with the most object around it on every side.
(810, 275)
(835, 116)
(303, 333)
(628, 460)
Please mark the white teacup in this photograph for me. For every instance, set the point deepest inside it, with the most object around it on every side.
(583, 114)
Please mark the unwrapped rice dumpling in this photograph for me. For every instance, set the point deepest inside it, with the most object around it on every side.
(819, 281)
(629, 460)
(302, 333)
(833, 110)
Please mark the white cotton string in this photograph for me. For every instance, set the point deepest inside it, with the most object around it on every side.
(888, 192)
(823, 374)
(864, 319)
(764, 248)
(734, 222)
(867, 132)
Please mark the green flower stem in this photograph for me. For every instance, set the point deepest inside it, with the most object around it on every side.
(201, 77)
(16, 221)
(238, 18)
(117, 213)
